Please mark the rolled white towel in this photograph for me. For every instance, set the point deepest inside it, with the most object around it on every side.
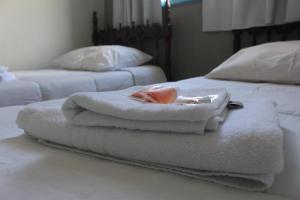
(7, 76)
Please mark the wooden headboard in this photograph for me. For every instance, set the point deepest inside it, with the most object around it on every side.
(253, 36)
(154, 39)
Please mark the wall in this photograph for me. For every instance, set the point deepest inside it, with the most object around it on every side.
(196, 53)
(34, 32)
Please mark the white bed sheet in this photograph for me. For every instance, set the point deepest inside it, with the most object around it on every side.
(57, 83)
(40, 85)
(29, 170)
(19, 93)
(287, 99)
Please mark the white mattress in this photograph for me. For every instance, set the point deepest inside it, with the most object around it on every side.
(287, 100)
(57, 83)
(29, 170)
(19, 93)
(33, 86)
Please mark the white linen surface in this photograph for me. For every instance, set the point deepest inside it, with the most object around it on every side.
(146, 75)
(116, 109)
(34, 86)
(119, 104)
(102, 58)
(276, 62)
(255, 147)
(7, 76)
(32, 171)
(29, 170)
(19, 92)
(55, 83)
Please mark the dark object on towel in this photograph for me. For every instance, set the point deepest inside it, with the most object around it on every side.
(233, 105)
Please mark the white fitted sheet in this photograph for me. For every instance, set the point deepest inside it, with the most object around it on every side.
(57, 83)
(19, 92)
(41, 85)
(287, 99)
(30, 170)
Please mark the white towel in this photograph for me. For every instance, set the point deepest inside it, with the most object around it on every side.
(245, 153)
(7, 76)
(116, 109)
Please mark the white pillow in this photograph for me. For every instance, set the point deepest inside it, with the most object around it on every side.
(102, 58)
(277, 62)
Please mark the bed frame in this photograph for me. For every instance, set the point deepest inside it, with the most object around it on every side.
(253, 36)
(154, 39)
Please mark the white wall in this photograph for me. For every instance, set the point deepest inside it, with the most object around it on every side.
(196, 53)
(34, 32)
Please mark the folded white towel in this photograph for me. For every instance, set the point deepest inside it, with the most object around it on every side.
(116, 109)
(245, 153)
(7, 76)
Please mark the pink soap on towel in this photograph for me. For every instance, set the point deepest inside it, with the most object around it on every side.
(161, 95)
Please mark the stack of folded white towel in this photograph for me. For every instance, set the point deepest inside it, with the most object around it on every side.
(5, 75)
(117, 110)
(244, 152)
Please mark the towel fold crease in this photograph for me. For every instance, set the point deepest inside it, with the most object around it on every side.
(115, 109)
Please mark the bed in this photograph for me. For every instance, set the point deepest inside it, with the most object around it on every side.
(40, 85)
(28, 166)
(29, 170)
